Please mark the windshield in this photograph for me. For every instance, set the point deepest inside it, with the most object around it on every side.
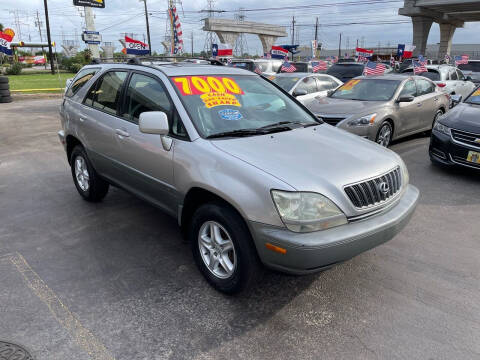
(243, 65)
(367, 90)
(220, 103)
(433, 75)
(345, 71)
(285, 82)
(471, 66)
(474, 98)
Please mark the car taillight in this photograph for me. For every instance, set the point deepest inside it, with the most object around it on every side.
(442, 85)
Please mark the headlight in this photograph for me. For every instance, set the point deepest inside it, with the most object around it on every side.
(441, 128)
(306, 211)
(363, 121)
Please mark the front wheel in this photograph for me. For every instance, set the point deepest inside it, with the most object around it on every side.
(384, 135)
(437, 115)
(223, 248)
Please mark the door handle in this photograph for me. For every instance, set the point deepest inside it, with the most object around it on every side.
(436, 99)
(419, 104)
(122, 133)
(81, 119)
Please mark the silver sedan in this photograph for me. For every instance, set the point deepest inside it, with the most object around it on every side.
(383, 108)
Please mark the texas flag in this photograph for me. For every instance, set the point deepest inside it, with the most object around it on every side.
(136, 47)
(278, 52)
(221, 50)
(405, 51)
(6, 38)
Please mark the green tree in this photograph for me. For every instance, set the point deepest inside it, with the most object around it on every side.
(1, 27)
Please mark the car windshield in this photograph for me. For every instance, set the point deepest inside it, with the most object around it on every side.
(285, 82)
(342, 71)
(431, 74)
(474, 98)
(225, 103)
(367, 90)
(471, 66)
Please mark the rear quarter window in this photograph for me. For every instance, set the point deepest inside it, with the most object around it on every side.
(80, 80)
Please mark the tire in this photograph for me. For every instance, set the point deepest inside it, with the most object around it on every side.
(437, 115)
(5, 99)
(4, 86)
(4, 93)
(3, 80)
(88, 183)
(384, 134)
(242, 257)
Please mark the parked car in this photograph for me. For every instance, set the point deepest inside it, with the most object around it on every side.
(472, 70)
(450, 79)
(301, 67)
(251, 176)
(269, 66)
(305, 86)
(383, 108)
(348, 70)
(455, 138)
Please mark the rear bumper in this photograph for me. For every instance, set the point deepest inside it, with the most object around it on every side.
(312, 252)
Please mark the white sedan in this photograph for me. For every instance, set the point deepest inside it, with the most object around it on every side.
(305, 86)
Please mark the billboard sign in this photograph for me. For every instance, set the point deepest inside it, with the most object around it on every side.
(90, 3)
(92, 37)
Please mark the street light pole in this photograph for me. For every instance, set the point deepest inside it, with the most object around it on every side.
(49, 38)
(148, 27)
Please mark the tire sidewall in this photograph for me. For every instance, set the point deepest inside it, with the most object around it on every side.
(242, 243)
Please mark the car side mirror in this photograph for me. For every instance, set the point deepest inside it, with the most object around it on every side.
(153, 122)
(455, 99)
(405, 99)
(330, 92)
(299, 93)
(468, 78)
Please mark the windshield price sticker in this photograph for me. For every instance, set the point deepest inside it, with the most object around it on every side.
(350, 85)
(198, 85)
(230, 114)
(218, 99)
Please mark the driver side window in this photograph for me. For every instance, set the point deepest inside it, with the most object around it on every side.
(409, 89)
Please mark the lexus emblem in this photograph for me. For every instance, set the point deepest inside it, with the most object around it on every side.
(383, 188)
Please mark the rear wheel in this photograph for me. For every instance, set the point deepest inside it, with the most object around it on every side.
(88, 183)
(223, 248)
(384, 135)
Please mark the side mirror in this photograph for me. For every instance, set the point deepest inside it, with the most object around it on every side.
(468, 78)
(405, 99)
(153, 122)
(299, 93)
(455, 100)
(330, 92)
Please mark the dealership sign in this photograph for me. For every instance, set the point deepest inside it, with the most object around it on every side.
(92, 37)
(90, 3)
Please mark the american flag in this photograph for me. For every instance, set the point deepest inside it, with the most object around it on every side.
(419, 68)
(287, 67)
(461, 59)
(374, 68)
(319, 65)
(422, 60)
(362, 59)
(229, 61)
(392, 61)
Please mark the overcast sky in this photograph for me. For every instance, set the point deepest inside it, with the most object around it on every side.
(122, 16)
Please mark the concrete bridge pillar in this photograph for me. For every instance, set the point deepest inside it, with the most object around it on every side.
(446, 35)
(421, 29)
(267, 42)
(227, 37)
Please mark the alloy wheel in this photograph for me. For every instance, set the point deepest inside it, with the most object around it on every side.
(81, 173)
(384, 135)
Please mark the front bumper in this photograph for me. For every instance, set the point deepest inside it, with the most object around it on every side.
(445, 151)
(61, 137)
(312, 252)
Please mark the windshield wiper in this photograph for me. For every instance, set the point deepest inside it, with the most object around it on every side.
(277, 126)
(238, 133)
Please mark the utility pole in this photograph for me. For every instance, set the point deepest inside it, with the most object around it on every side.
(90, 25)
(39, 24)
(191, 39)
(49, 38)
(293, 33)
(340, 46)
(148, 27)
(315, 51)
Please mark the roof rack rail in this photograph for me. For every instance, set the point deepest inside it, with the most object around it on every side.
(150, 60)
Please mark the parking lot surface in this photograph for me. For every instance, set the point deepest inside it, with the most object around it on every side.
(115, 280)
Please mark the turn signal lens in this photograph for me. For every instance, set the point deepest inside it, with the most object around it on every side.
(275, 248)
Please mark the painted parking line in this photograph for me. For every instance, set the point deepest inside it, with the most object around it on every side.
(82, 336)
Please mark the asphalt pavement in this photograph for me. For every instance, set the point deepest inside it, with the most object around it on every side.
(115, 280)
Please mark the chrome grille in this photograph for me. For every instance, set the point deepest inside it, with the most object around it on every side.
(466, 137)
(331, 120)
(369, 193)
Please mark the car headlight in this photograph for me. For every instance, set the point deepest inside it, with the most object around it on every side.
(307, 211)
(363, 121)
(442, 128)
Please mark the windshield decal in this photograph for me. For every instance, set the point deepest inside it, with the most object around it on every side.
(199, 85)
(476, 93)
(230, 114)
(217, 99)
(349, 85)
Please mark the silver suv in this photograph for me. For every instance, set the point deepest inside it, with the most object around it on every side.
(251, 175)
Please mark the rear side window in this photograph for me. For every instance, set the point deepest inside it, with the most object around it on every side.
(80, 80)
(351, 70)
(453, 75)
(425, 87)
(409, 89)
(325, 83)
(105, 95)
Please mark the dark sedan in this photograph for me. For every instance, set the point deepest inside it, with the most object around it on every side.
(455, 137)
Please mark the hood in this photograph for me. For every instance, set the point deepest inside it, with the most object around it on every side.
(331, 106)
(319, 158)
(464, 117)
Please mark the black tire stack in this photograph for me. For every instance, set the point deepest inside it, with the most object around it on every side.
(5, 96)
